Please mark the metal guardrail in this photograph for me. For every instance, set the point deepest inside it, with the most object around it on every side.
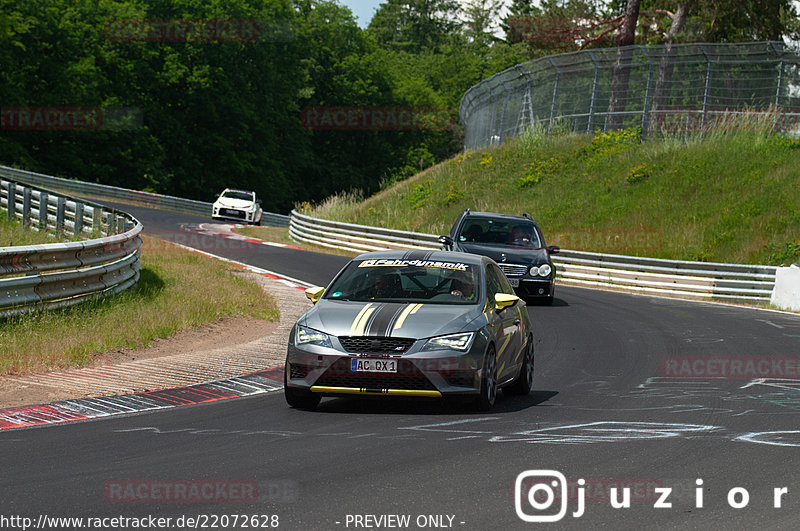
(680, 87)
(655, 276)
(358, 238)
(56, 275)
(147, 199)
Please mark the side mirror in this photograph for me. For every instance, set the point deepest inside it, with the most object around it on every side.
(553, 249)
(504, 300)
(314, 293)
(258, 201)
(447, 241)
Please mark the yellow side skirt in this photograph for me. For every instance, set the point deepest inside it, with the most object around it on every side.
(363, 391)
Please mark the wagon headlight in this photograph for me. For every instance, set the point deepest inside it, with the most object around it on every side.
(544, 270)
(460, 342)
(309, 336)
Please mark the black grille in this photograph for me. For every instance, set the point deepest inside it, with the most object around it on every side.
(513, 270)
(460, 378)
(298, 371)
(407, 377)
(376, 344)
(233, 213)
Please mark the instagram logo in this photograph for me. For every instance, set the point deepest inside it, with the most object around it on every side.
(536, 492)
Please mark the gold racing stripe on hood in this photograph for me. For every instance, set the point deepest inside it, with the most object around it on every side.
(410, 310)
(360, 322)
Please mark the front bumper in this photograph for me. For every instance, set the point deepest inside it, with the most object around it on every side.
(431, 374)
(530, 288)
(233, 214)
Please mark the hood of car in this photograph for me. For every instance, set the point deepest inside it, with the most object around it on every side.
(508, 255)
(227, 202)
(383, 319)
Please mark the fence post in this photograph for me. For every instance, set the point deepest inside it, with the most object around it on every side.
(43, 211)
(503, 116)
(647, 93)
(595, 88)
(555, 96)
(781, 72)
(707, 89)
(61, 208)
(26, 207)
(11, 188)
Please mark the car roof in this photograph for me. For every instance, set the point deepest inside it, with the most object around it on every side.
(424, 255)
(237, 190)
(498, 215)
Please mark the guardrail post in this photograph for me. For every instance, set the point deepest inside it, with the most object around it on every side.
(78, 219)
(12, 195)
(43, 211)
(120, 225)
(61, 208)
(111, 223)
(26, 207)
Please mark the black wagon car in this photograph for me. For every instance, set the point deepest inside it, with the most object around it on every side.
(411, 324)
(517, 245)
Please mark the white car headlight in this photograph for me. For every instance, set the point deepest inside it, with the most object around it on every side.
(460, 342)
(534, 271)
(309, 336)
(544, 270)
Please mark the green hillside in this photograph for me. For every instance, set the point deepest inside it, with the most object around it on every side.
(731, 195)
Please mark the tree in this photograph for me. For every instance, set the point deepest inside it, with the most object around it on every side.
(414, 25)
(480, 15)
(622, 68)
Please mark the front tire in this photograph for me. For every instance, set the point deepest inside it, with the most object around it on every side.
(488, 393)
(298, 398)
(524, 381)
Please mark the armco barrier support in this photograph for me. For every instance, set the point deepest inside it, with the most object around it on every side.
(787, 288)
(675, 278)
(55, 275)
(147, 199)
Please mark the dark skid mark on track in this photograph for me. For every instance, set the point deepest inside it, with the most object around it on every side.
(90, 408)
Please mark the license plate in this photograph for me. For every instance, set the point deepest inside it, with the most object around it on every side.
(373, 365)
(514, 282)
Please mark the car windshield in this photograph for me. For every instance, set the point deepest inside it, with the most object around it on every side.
(395, 280)
(500, 232)
(233, 194)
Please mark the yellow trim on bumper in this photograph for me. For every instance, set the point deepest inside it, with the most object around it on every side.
(363, 391)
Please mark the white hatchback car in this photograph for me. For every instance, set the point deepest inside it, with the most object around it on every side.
(237, 205)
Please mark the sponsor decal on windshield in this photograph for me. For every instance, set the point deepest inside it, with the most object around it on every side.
(414, 263)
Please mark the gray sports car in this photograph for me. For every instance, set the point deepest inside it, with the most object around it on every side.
(411, 323)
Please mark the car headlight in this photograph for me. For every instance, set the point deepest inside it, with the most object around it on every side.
(533, 271)
(460, 341)
(305, 336)
(544, 270)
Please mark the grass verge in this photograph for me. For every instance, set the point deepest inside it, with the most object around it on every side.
(177, 289)
(13, 234)
(729, 195)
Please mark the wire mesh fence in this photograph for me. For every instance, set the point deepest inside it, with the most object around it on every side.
(667, 87)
